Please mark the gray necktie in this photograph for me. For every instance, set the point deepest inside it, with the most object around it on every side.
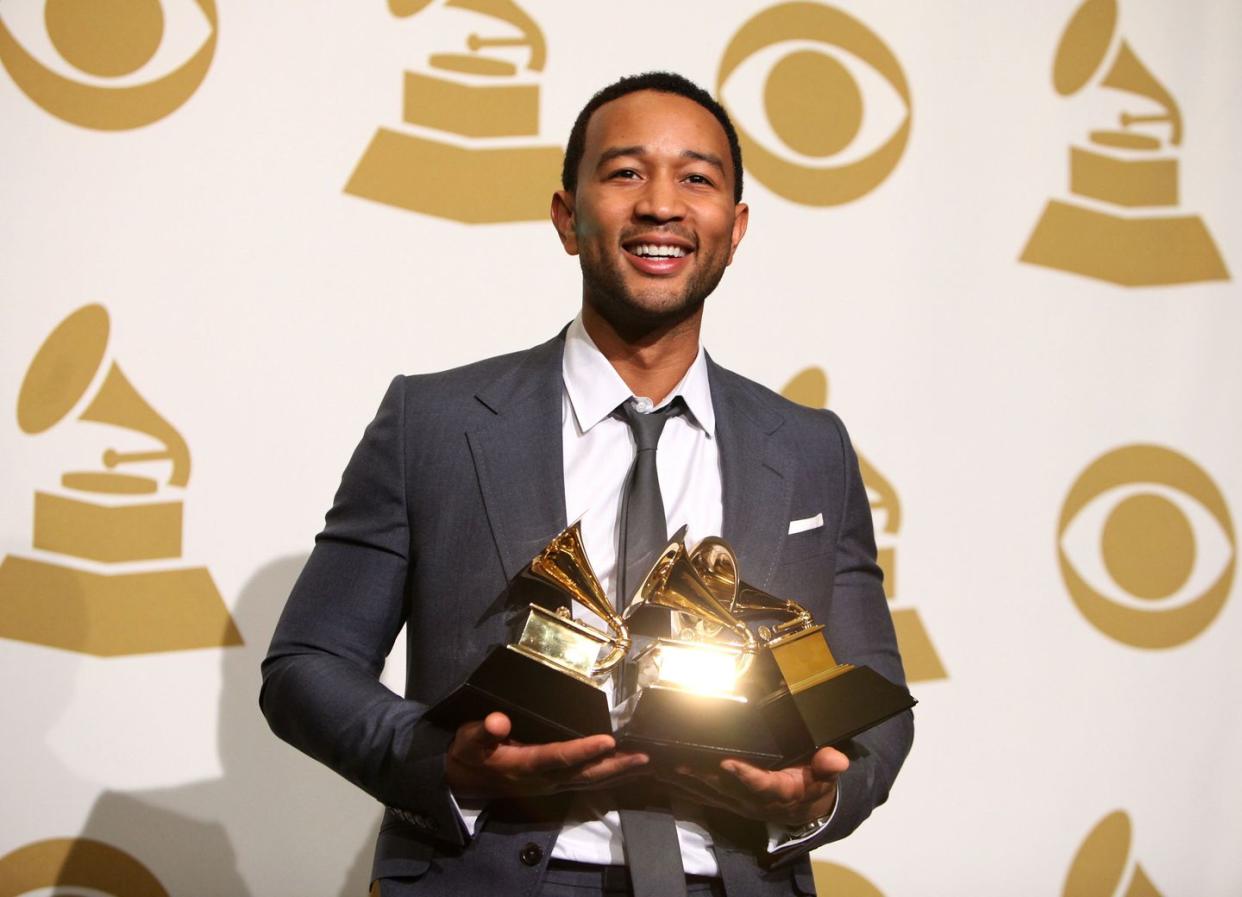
(643, 530)
(652, 851)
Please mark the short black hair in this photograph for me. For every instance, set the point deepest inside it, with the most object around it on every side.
(663, 82)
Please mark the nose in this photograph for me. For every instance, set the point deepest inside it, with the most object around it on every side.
(660, 201)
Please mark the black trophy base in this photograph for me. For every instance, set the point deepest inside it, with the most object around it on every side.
(543, 703)
(674, 726)
(832, 711)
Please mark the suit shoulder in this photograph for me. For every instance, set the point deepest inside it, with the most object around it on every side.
(436, 391)
(803, 420)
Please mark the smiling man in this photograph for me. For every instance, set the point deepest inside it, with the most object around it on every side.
(464, 475)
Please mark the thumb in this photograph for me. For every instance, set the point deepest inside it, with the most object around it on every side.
(496, 728)
(828, 763)
(476, 740)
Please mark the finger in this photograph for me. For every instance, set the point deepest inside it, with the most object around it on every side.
(496, 726)
(561, 755)
(472, 744)
(795, 784)
(751, 776)
(604, 771)
(828, 763)
(729, 794)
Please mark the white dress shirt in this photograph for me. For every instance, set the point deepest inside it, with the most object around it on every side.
(598, 450)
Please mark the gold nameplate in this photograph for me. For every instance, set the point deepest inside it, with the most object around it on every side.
(569, 644)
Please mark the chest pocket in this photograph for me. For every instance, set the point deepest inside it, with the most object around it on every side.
(813, 538)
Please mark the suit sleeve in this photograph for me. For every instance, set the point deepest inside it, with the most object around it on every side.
(321, 691)
(860, 631)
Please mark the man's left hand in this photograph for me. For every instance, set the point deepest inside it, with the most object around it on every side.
(792, 796)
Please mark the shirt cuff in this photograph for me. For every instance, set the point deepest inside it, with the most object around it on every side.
(783, 837)
(466, 817)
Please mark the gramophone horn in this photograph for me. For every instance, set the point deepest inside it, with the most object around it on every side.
(1128, 73)
(1083, 50)
(716, 566)
(564, 564)
(674, 584)
(62, 369)
(404, 8)
(1083, 46)
(61, 374)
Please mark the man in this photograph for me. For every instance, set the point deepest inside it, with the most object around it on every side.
(464, 475)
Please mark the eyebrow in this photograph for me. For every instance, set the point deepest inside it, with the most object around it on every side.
(709, 158)
(615, 152)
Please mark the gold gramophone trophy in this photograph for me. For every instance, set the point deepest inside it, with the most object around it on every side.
(551, 681)
(808, 700)
(691, 695)
(106, 578)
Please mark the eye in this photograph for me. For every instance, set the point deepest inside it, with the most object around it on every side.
(108, 64)
(821, 105)
(1146, 546)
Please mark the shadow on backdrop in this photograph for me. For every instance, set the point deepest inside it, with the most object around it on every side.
(275, 821)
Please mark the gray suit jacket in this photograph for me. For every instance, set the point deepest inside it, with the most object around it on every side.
(456, 484)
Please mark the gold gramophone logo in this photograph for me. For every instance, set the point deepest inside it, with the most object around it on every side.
(1101, 867)
(823, 100)
(468, 150)
(112, 48)
(107, 578)
(1121, 224)
(45, 867)
(1146, 546)
(921, 660)
(839, 881)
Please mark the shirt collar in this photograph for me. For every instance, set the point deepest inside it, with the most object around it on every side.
(595, 389)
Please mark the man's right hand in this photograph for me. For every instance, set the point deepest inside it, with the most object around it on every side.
(483, 763)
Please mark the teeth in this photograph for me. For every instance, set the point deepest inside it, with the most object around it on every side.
(659, 251)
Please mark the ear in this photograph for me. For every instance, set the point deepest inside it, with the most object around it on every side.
(563, 220)
(741, 217)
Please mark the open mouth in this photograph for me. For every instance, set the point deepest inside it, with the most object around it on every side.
(663, 256)
(656, 250)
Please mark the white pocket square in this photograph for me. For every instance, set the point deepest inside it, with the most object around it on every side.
(806, 523)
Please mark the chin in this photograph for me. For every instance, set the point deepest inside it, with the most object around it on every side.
(644, 306)
(635, 314)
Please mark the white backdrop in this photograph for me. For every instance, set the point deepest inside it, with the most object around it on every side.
(261, 309)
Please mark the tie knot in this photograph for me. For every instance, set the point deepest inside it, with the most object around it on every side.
(648, 427)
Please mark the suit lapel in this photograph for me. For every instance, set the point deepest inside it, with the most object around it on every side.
(756, 475)
(516, 448)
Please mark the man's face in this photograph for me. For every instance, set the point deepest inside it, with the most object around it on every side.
(653, 219)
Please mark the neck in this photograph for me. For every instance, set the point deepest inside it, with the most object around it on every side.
(652, 362)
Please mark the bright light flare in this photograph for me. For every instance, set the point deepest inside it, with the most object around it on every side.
(700, 668)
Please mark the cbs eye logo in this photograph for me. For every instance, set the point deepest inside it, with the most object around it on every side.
(77, 866)
(1146, 546)
(110, 65)
(820, 64)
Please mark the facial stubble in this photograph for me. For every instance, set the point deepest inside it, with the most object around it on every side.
(632, 314)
